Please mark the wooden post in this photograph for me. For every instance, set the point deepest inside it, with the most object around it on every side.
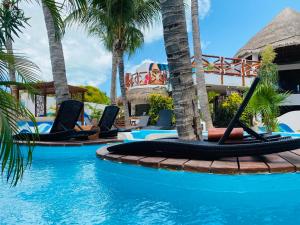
(35, 106)
(18, 94)
(243, 72)
(82, 113)
(45, 104)
(222, 70)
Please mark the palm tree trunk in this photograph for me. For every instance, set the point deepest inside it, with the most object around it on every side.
(57, 59)
(11, 70)
(180, 67)
(120, 60)
(200, 79)
(113, 90)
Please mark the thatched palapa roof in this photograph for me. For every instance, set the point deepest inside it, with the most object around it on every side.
(48, 88)
(284, 30)
(144, 93)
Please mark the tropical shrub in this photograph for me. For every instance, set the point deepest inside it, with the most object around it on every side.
(267, 97)
(211, 97)
(159, 102)
(95, 112)
(228, 108)
(95, 95)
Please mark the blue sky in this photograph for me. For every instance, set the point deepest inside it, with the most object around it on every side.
(226, 25)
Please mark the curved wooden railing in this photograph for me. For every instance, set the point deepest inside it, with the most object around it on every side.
(218, 65)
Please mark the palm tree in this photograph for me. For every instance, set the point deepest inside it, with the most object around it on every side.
(178, 55)
(10, 12)
(126, 18)
(55, 30)
(200, 79)
(267, 97)
(57, 58)
(114, 70)
(118, 24)
(13, 162)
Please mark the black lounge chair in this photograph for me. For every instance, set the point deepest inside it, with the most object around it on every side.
(164, 121)
(63, 125)
(252, 145)
(105, 125)
(107, 121)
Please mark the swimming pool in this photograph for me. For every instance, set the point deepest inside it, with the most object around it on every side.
(69, 185)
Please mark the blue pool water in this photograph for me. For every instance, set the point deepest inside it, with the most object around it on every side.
(69, 185)
(141, 134)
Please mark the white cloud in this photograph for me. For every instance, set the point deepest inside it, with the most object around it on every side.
(87, 61)
(133, 69)
(156, 32)
(204, 8)
(205, 44)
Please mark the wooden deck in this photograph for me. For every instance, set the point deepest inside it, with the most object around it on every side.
(75, 142)
(275, 163)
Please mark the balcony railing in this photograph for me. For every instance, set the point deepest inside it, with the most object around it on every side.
(217, 65)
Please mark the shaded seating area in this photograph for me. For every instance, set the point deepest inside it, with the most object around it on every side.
(45, 89)
(251, 145)
(63, 125)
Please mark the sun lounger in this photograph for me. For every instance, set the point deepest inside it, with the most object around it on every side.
(63, 125)
(105, 124)
(253, 144)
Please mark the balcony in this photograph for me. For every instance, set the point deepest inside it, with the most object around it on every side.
(218, 70)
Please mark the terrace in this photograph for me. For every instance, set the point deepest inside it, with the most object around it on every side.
(219, 71)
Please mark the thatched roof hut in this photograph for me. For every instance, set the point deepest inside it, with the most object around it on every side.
(143, 94)
(283, 31)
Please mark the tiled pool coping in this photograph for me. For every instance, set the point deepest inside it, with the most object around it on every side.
(275, 163)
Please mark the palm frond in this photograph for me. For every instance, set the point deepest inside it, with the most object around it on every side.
(13, 163)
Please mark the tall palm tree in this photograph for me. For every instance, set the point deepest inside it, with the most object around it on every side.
(178, 55)
(114, 70)
(55, 30)
(118, 24)
(127, 17)
(200, 79)
(57, 58)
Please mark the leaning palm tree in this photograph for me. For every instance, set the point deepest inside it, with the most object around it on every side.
(200, 79)
(178, 55)
(55, 30)
(57, 58)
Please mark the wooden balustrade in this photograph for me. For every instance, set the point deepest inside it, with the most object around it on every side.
(211, 64)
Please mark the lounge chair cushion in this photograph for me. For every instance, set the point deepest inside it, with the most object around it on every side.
(215, 134)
